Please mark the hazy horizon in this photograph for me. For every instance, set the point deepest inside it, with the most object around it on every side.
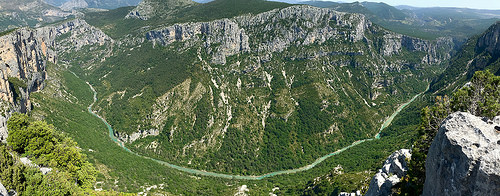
(477, 4)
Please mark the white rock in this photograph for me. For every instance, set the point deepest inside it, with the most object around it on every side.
(394, 168)
(242, 191)
(3, 190)
(464, 158)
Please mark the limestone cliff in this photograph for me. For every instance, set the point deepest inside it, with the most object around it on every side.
(24, 54)
(490, 41)
(254, 70)
(151, 8)
(234, 36)
(464, 157)
(23, 58)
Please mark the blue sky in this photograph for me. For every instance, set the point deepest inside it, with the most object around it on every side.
(477, 4)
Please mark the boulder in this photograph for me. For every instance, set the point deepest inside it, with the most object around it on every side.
(464, 158)
(395, 167)
(3, 191)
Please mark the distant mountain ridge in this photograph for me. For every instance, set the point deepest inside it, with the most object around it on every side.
(459, 23)
(18, 13)
(102, 4)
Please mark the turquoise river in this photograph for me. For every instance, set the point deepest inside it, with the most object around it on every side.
(386, 123)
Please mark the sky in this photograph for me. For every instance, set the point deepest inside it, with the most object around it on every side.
(476, 4)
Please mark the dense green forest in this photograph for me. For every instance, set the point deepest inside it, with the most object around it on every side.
(261, 111)
(71, 173)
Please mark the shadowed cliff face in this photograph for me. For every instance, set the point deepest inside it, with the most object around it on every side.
(23, 56)
(479, 53)
(490, 41)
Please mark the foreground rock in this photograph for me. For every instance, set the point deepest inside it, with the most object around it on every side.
(464, 158)
(395, 167)
(3, 191)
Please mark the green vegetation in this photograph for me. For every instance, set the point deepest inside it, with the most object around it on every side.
(302, 111)
(15, 84)
(115, 24)
(7, 32)
(481, 98)
(118, 170)
(123, 171)
(321, 98)
(72, 173)
(426, 23)
(468, 60)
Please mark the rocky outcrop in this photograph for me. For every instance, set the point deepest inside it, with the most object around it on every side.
(464, 157)
(151, 8)
(136, 135)
(395, 167)
(78, 34)
(436, 51)
(24, 54)
(74, 4)
(3, 190)
(296, 25)
(22, 70)
(226, 33)
(490, 41)
(29, 163)
(357, 193)
(23, 57)
(231, 36)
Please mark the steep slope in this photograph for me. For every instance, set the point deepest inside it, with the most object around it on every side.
(22, 62)
(14, 14)
(156, 8)
(24, 54)
(299, 81)
(102, 4)
(479, 53)
(243, 95)
(428, 23)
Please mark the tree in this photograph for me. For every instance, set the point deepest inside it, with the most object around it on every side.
(480, 97)
(17, 125)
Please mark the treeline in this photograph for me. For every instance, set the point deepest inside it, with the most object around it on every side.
(71, 173)
(480, 97)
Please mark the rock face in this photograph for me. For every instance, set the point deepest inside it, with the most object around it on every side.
(24, 55)
(395, 167)
(74, 4)
(490, 41)
(464, 158)
(151, 8)
(393, 43)
(357, 193)
(231, 36)
(3, 191)
(23, 59)
(261, 53)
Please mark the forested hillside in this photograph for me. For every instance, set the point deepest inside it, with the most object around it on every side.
(174, 97)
